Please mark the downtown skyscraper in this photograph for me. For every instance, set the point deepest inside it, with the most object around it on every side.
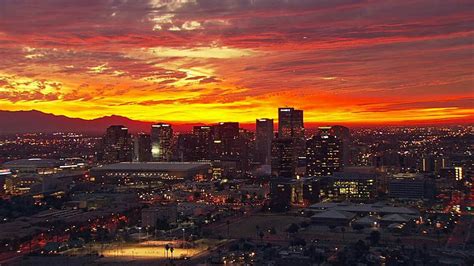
(290, 143)
(117, 145)
(263, 140)
(142, 148)
(324, 154)
(291, 125)
(161, 141)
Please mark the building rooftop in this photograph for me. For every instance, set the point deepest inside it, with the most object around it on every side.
(369, 219)
(395, 218)
(368, 208)
(32, 162)
(154, 166)
(353, 175)
(333, 214)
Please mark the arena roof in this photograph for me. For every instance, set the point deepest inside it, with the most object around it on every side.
(153, 166)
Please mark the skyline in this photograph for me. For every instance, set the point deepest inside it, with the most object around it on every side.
(213, 61)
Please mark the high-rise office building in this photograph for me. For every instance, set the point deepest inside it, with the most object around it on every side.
(142, 148)
(161, 141)
(324, 154)
(284, 158)
(263, 140)
(204, 139)
(186, 146)
(117, 144)
(344, 134)
(291, 125)
(226, 141)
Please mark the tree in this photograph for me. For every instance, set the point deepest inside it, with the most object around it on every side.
(272, 231)
(167, 247)
(293, 228)
(343, 230)
(304, 224)
(374, 237)
(171, 250)
(298, 242)
(162, 224)
(358, 227)
(360, 248)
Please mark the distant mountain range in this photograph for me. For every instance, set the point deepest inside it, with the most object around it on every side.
(36, 121)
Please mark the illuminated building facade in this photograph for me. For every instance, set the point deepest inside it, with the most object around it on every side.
(142, 148)
(147, 173)
(226, 141)
(286, 192)
(204, 139)
(117, 145)
(455, 173)
(344, 134)
(284, 158)
(323, 154)
(352, 186)
(432, 164)
(291, 125)
(5, 176)
(161, 142)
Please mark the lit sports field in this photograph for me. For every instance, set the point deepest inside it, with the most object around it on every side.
(147, 250)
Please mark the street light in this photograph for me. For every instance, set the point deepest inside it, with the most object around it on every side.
(183, 236)
(139, 234)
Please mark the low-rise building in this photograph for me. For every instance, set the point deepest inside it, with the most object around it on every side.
(411, 186)
(333, 217)
(167, 213)
(145, 173)
(351, 186)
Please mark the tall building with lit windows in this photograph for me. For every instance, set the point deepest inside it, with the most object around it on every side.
(291, 125)
(284, 158)
(142, 148)
(344, 134)
(324, 154)
(161, 142)
(263, 140)
(117, 145)
(204, 139)
(226, 141)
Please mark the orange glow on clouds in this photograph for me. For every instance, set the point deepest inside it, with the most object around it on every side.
(190, 61)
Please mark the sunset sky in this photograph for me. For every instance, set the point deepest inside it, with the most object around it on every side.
(210, 61)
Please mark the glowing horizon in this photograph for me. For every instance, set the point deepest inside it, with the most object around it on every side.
(206, 61)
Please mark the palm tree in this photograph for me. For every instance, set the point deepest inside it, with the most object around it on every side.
(167, 247)
(171, 249)
(261, 236)
(374, 237)
(343, 230)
